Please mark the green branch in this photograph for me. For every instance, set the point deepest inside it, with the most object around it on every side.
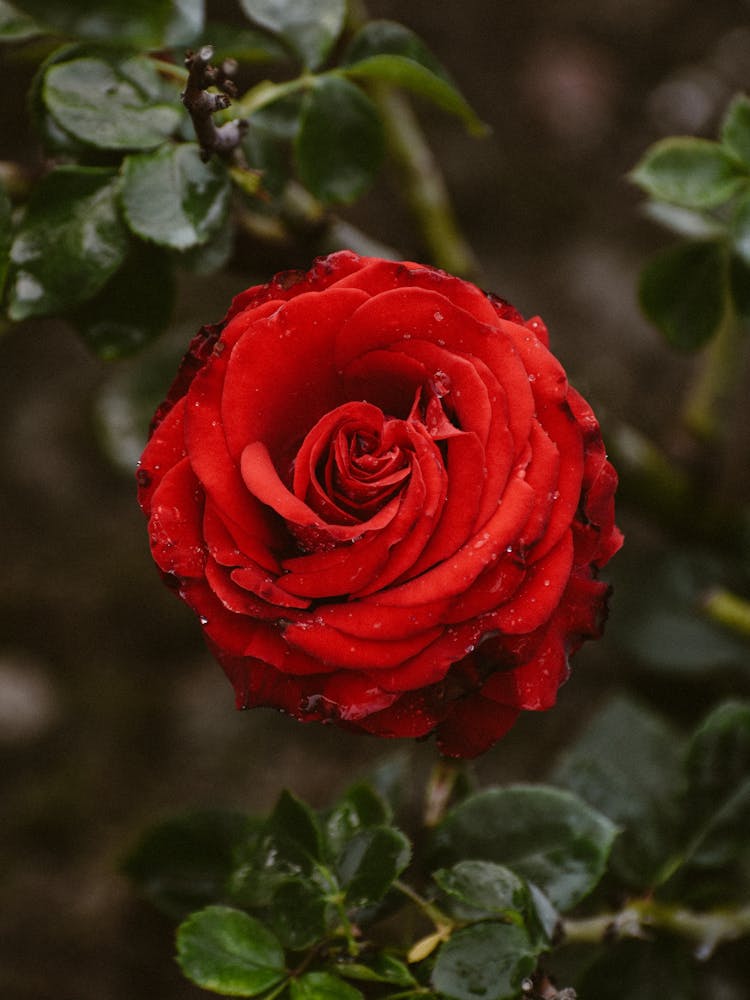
(705, 930)
(424, 188)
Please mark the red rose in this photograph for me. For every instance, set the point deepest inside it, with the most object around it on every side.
(376, 488)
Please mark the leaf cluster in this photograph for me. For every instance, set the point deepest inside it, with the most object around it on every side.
(128, 199)
(700, 189)
(334, 904)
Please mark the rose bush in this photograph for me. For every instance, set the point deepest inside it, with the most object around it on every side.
(375, 487)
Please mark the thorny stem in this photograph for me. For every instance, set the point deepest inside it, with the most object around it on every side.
(201, 105)
(706, 930)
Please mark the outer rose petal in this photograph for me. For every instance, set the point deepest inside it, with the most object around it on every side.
(375, 487)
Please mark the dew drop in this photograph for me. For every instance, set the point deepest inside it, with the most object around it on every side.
(439, 316)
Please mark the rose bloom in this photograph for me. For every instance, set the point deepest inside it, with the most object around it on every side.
(376, 489)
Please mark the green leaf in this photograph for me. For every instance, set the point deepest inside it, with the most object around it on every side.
(294, 823)
(137, 23)
(370, 862)
(381, 37)
(693, 173)
(718, 798)
(322, 986)
(211, 256)
(735, 129)
(683, 292)
(229, 952)
(637, 970)
(739, 228)
(287, 847)
(486, 888)
(133, 307)
(628, 765)
(309, 26)
(382, 968)
(6, 237)
(360, 807)
(340, 143)
(185, 862)
(410, 75)
(15, 26)
(173, 198)
(186, 24)
(110, 105)
(243, 44)
(485, 962)
(298, 913)
(69, 243)
(550, 837)
(387, 51)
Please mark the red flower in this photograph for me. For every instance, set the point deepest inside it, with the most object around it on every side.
(376, 488)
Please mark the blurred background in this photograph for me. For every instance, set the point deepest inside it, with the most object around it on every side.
(112, 714)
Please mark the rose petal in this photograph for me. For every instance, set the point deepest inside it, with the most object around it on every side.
(457, 574)
(166, 447)
(335, 649)
(175, 524)
(281, 378)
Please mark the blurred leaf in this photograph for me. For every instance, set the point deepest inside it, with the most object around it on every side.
(739, 228)
(229, 952)
(6, 237)
(298, 913)
(139, 23)
(382, 968)
(173, 198)
(370, 862)
(377, 38)
(309, 26)
(322, 986)
(686, 222)
(54, 138)
(658, 620)
(683, 292)
(186, 24)
(69, 243)
(388, 51)
(628, 765)
(484, 888)
(185, 862)
(735, 129)
(110, 105)
(340, 143)
(718, 799)
(243, 44)
(485, 962)
(133, 307)
(550, 837)
(15, 26)
(693, 173)
(359, 808)
(211, 256)
(410, 75)
(638, 970)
